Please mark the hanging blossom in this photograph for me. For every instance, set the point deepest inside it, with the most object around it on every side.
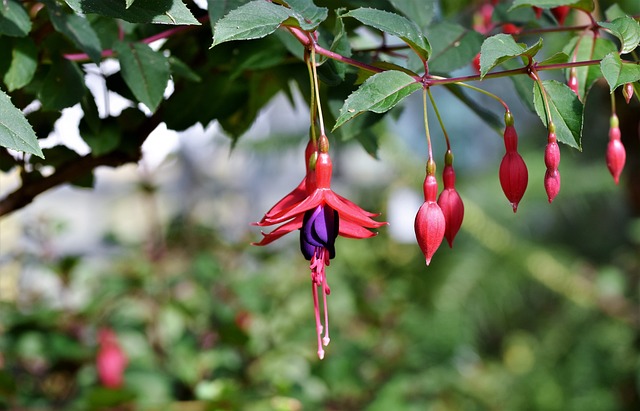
(321, 215)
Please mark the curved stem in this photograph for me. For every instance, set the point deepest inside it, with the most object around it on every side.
(312, 100)
(479, 90)
(613, 103)
(435, 108)
(158, 36)
(317, 89)
(545, 98)
(426, 121)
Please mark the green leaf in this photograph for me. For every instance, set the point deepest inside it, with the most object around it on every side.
(14, 20)
(75, 28)
(142, 11)
(496, 49)
(617, 72)
(15, 131)
(455, 48)
(614, 12)
(566, 111)
(145, 71)
(180, 69)
(587, 50)
(63, 86)
(24, 61)
(252, 21)
(556, 58)
(627, 30)
(308, 14)
(219, 8)
(342, 46)
(422, 12)
(104, 140)
(379, 94)
(586, 5)
(128, 3)
(396, 25)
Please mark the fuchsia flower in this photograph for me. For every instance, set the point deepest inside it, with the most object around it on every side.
(111, 361)
(627, 92)
(552, 161)
(320, 215)
(513, 174)
(616, 154)
(430, 222)
(449, 200)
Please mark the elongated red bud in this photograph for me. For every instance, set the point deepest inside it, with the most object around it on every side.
(429, 227)
(476, 63)
(538, 11)
(513, 174)
(560, 13)
(552, 161)
(510, 28)
(430, 224)
(573, 81)
(111, 361)
(552, 152)
(451, 205)
(616, 154)
(627, 92)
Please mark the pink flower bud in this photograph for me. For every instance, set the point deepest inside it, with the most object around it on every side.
(573, 81)
(451, 205)
(111, 361)
(513, 171)
(616, 157)
(627, 92)
(476, 63)
(552, 183)
(560, 13)
(552, 152)
(429, 227)
(552, 161)
(616, 154)
(510, 28)
(538, 11)
(430, 188)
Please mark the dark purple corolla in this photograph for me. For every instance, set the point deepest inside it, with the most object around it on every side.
(318, 233)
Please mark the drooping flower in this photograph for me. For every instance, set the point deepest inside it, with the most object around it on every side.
(616, 154)
(111, 360)
(449, 200)
(321, 215)
(513, 173)
(552, 161)
(560, 13)
(430, 222)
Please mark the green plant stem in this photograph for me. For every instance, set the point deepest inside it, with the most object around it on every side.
(426, 121)
(613, 103)
(312, 101)
(435, 108)
(479, 90)
(317, 90)
(147, 40)
(545, 98)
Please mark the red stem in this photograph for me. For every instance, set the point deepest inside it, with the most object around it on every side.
(159, 36)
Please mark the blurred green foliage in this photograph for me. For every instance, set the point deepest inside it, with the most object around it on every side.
(518, 316)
